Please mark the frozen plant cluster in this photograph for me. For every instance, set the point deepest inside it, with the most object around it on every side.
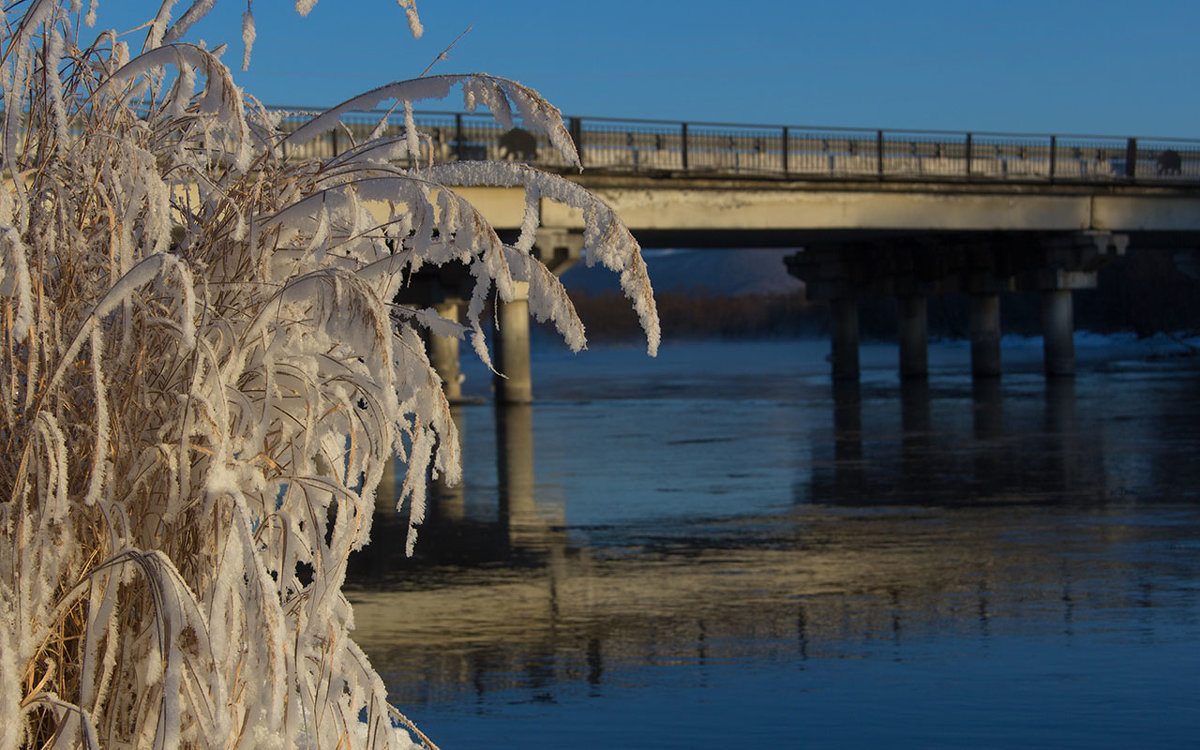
(204, 377)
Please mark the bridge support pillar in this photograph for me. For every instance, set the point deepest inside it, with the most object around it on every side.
(914, 336)
(1058, 331)
(844, 354)
(985, 335)
(443, 354)
(514, 383)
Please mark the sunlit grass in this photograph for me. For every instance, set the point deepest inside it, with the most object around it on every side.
(204, 378)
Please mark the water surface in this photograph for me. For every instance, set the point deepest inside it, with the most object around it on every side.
(720, 549)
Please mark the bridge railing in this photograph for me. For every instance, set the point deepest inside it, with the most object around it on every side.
(655, 147)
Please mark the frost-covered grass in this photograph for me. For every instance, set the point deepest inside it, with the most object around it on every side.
(203, 379)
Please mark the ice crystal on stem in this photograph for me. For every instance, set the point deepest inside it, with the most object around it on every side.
(204, 376)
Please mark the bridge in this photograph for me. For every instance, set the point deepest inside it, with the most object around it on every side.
(901, 213)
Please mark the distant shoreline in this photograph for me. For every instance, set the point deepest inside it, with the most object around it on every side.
(1144, 293)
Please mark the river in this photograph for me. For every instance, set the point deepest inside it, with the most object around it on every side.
(718, 548)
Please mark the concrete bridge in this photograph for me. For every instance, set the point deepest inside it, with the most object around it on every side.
(907, 214)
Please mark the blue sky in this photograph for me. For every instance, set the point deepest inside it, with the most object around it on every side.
(1108, 67)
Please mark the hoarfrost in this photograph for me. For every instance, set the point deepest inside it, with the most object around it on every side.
(410, 14)
(204, 376)
(248, 35)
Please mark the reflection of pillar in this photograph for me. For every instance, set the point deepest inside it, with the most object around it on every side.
(985, 335)
(448, 502)
(914, 337)
(914, 421)
(1058, 331)
(847, 439)
(595, 661)
(989, 456)
(443, 354)
(512, 348)
(847, 421)
(989, 413)
(1060, 406)
(385, 493)
(845, 338)
(1061, 431)
(989, 460)
(914, 408)
(514, 458)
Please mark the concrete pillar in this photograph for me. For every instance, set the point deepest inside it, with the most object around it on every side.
(845, 338)
(914, 336)
(443, 355)
(985, 335)
(1058, 331)
(514, 384)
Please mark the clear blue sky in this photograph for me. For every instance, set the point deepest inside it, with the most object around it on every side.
(1050, 66)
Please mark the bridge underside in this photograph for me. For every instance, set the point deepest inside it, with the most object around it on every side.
(726, 239)
(854, 240)
(982, 265)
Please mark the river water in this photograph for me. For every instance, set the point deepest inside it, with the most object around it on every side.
(718, 548)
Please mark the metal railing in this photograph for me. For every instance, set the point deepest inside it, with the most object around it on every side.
(787, 152)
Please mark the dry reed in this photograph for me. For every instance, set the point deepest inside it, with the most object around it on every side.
(203, 378)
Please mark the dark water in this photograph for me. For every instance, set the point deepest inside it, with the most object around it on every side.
(720, 549)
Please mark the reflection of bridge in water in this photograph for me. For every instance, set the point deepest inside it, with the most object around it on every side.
(991, 462)
(903, 214)
(516, 598)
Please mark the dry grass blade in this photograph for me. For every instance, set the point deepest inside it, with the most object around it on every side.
(203, 378)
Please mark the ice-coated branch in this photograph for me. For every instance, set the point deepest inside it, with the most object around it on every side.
(204, 376)
(606, 238)
(502, 97)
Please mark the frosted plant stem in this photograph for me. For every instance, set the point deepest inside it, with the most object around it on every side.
(206, 375)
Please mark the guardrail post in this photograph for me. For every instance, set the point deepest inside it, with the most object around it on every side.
(784, 151)
(879, 153)
(577, 135)
(968, 172)
(333, 140)
(459, 149)
(1053, 154)
(1131, 158)
(683, 145)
